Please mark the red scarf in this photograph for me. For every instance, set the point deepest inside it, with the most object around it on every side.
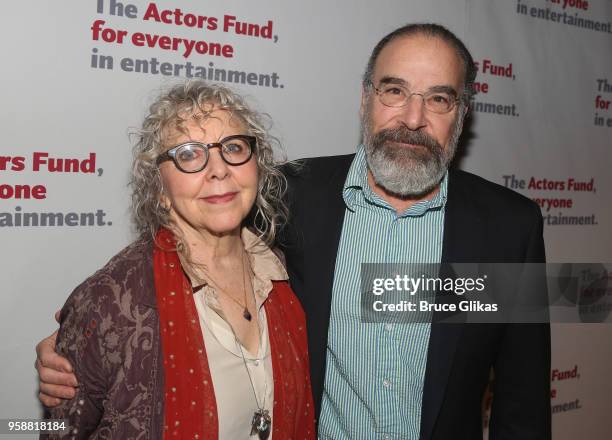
(190, 409)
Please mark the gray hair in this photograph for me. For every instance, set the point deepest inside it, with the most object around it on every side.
(168, 112)
(429, 30)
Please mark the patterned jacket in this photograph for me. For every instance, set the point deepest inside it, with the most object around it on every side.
(110, 333)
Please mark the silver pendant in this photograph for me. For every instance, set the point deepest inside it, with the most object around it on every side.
(261, 424)
(246, 314)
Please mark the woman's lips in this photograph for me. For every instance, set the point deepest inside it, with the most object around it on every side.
(221, 198)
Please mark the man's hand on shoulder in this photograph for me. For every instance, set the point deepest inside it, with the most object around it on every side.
(56, 378)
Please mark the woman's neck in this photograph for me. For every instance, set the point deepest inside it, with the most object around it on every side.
(212, 249)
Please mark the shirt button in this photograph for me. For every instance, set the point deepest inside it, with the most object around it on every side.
(386, 383)
(388, 327)
(386, 437)
(256, 362)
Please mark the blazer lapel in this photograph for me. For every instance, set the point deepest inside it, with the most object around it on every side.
(462, 242)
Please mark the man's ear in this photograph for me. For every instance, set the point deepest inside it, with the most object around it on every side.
(466, 111)
(364, 101)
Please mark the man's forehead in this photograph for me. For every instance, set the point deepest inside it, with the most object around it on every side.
(417, 59)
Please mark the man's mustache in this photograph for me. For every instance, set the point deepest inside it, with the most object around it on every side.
(406, 136)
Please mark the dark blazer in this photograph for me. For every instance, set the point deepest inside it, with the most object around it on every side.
(484, 222)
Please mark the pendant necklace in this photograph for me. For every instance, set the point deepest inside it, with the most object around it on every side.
(245, 310)
(246, 314)
(261, 423)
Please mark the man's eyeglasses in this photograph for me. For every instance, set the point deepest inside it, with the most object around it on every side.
(436, 101)
(192, 157)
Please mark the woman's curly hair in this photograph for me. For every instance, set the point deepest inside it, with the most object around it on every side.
(174, 107)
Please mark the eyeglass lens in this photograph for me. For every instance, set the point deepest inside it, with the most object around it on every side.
(394, 96)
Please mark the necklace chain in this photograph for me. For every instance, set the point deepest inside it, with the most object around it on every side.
(261, 417)
(246, 314)
(261, 423)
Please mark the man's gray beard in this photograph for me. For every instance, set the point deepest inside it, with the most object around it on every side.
(407, 171)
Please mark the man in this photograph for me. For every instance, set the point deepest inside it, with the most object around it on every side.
(395, 201)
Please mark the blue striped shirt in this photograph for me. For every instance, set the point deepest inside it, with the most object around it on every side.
(375, 371)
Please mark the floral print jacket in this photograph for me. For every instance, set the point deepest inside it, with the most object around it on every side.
(109, 331)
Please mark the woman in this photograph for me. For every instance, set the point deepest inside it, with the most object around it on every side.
(192, 331)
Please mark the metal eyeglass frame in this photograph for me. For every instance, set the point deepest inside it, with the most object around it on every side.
(409, 95)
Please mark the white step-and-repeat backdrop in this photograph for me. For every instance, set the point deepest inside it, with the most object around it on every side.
(77, 74)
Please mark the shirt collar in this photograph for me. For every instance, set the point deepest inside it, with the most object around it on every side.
(356, 185)
(357, 192)
(264, 262)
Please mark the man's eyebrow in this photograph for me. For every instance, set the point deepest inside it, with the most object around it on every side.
(434, 89)
(393, 80)
(443, 89)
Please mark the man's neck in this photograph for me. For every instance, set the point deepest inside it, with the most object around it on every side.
(400, 204)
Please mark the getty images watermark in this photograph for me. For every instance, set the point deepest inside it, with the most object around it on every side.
(487, 293)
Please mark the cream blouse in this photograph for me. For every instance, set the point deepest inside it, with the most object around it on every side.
(234, 395)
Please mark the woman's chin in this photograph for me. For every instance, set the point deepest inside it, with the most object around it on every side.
(221, 228)
(217, 225)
